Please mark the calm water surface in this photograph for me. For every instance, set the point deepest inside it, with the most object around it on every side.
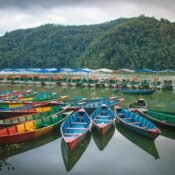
(120, 152)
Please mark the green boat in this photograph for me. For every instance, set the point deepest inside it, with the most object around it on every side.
(160, 118)
(21, 119)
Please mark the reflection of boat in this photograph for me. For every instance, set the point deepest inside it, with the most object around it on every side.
(146, 144)
(13, 149)
(102, 141)
(71, 157)
(136, 123)
(167, 133)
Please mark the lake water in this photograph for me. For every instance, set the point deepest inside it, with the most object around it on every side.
(120, 152)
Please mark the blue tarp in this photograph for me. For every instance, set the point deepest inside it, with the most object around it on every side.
(145, 70)
(85, 70)
(154, 71)
(70, 70)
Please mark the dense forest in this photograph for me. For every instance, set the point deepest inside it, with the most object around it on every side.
(141, 42)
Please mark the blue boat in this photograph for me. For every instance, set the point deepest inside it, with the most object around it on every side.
(75, 128)
(75, 99)
(136, 123)
(91, 106)
(137, 91)
(103, 118)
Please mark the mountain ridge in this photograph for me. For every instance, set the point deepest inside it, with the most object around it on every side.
(139, 42)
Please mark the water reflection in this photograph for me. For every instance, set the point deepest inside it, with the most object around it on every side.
(102, 140)
(71, 157)
(7, 151)
(145, 144)
(167, 133)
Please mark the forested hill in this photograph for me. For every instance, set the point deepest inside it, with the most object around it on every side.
(140, 42)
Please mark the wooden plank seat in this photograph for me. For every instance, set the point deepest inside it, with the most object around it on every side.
(72, 134)
(77, 128)
(102, 116)
(132, 123)
(120, 114)
(83, 123)
(103, 119)
(80, 117)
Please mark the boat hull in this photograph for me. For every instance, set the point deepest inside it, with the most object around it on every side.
(17, 138)
(150, 135)
(157, 122)
(137, 92)
(136, 123)
(72, 143)
(103, 129)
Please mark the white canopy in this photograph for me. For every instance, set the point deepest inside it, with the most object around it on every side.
(104, 70)
(125, 70)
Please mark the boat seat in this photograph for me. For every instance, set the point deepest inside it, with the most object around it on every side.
(29, 126)
(143, 127)
(120, 114)
(12, 130)
(21, 128)
(103, 116)
(72, 134)
(83, 123)
(104, 119)
(132, 123)
(80, 117)
(77, 128)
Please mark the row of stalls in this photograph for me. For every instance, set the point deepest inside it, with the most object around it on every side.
(88, 77)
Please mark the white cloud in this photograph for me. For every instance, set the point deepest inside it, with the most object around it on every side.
(19, 16)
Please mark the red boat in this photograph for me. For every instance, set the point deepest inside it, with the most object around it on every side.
(32, 129)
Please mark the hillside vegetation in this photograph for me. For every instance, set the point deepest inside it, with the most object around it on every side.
(140, 42)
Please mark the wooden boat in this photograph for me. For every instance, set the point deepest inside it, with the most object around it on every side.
(103, 118)
(85, 82)
(163, 119)
(136, 123)
(139, 104)
(13, 93)
(137, 91)
(71, 157)
(75, 99)
(32, 129)
(75, 128)
(28, 95)
(91, 106)
(146, 145)
(164, 112)
(16, 104)
(53, 96)
(102, 141)
(92, 82)
(42, 112)
(21, 112)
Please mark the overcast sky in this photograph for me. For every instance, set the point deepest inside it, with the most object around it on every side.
(15, 14)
